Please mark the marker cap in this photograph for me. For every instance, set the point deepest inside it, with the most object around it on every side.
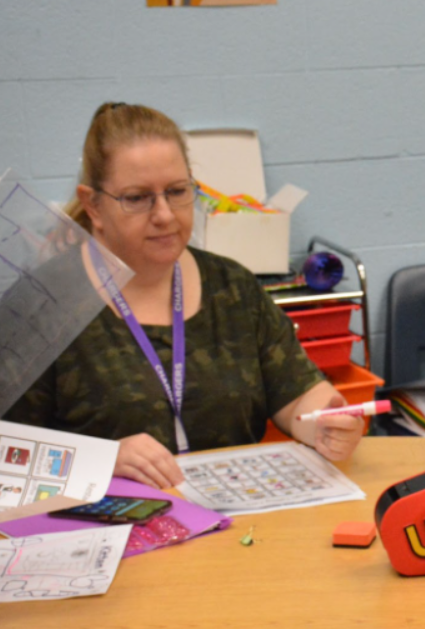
(383, 406)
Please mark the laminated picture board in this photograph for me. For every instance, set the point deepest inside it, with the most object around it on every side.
(46, 298)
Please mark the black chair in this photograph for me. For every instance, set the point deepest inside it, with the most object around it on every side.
(405, 336)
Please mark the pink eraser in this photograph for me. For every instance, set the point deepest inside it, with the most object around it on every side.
(383, 406)
(359, 534)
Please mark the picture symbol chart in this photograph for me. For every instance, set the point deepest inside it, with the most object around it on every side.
(281, 476)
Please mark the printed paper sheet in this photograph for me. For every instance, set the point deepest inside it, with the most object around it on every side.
(269, 477)
(38, 464)
(60, 565)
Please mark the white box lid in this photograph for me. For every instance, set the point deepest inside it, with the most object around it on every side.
(228, 160)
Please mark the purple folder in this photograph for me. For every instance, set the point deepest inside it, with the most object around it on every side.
(194, 518)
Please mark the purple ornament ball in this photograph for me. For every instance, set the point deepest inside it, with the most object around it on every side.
(323, 270)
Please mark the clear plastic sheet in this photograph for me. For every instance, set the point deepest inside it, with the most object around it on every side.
(197, 238)
(46, 298)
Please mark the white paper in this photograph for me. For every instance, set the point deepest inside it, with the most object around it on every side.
(416, 396)
(407, 422)
(43, 470)
(264, 478)
(61, 565)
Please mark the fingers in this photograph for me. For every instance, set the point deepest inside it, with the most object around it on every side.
(340, 423)
(338, 436)
(142, 458)
(336, 401)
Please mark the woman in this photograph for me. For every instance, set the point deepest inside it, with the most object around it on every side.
(192, 353)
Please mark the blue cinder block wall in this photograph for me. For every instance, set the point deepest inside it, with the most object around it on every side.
(335, 89)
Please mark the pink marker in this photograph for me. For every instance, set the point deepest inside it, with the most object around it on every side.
(367, 408)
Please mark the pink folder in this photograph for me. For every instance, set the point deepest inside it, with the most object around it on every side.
(195, 519)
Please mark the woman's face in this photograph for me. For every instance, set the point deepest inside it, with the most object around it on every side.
(159, 236)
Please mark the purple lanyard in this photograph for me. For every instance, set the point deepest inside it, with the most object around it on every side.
(174, 394)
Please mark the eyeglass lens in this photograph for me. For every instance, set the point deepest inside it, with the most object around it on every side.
(177, 196)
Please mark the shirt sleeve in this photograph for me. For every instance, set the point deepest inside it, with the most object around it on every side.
(287, 370)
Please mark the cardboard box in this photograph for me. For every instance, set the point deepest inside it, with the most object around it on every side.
(229, 160)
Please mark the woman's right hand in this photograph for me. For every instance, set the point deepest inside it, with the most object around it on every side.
(143, 459)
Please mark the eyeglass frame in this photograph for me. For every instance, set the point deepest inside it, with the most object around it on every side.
(153, 197)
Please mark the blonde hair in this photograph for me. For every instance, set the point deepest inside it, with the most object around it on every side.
(114, 125)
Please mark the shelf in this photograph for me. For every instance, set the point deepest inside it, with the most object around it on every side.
(302, 296)
(306, 296)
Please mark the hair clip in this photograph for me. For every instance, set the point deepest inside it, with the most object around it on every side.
(107, 107)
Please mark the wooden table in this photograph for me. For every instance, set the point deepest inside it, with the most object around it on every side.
(291, 577)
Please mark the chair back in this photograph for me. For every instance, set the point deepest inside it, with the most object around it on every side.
(405, 336)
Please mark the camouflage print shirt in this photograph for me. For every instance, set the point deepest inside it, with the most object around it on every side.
(243, 364)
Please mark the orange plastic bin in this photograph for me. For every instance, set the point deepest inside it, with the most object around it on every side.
(355, 383)
(316, 322)
(330, 352)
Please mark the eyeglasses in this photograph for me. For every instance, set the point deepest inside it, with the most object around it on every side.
(177, 196)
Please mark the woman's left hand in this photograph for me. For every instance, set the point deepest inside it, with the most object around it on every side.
(338, 435)
(334, 436)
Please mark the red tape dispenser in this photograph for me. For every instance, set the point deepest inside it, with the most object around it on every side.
(400, 518)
